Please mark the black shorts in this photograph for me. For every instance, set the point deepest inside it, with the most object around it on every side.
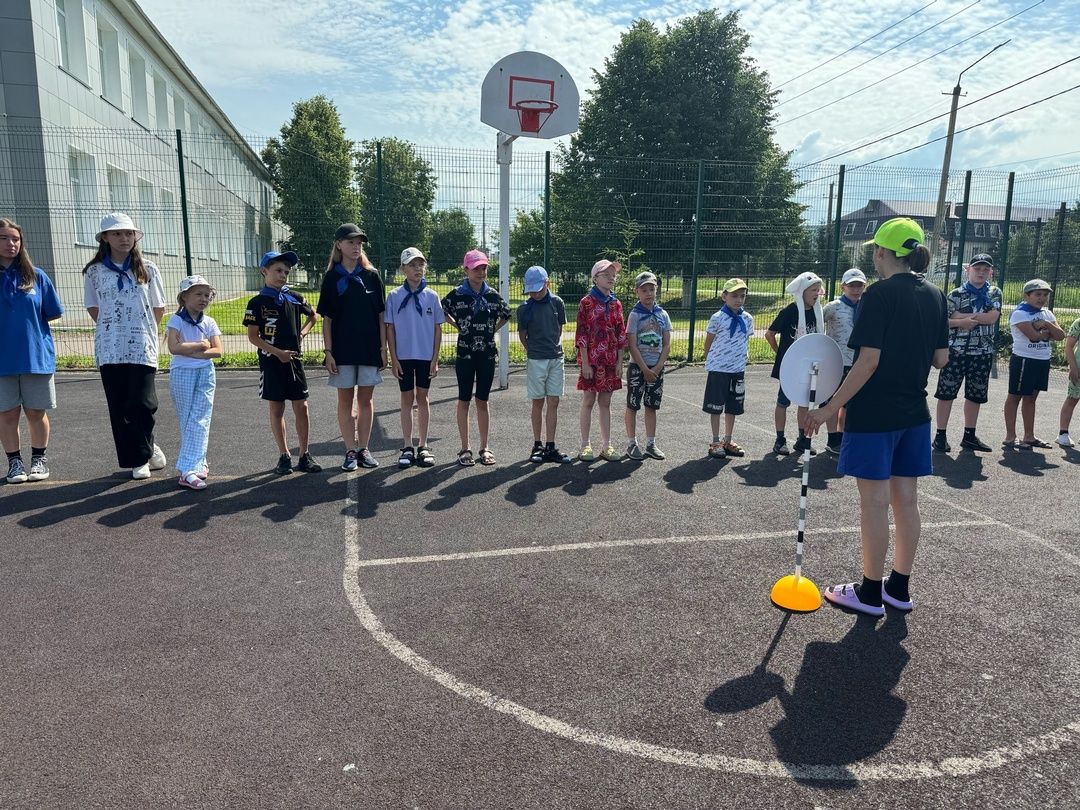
(971, 369)
(1027, 376)
(415, 374)
(638, 391)
(474, 374)
(282, 381)
(725, 392)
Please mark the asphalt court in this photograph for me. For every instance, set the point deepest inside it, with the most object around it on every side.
(519, 636)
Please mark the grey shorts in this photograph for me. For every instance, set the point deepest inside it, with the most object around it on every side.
(34, 391)
(544, 378)
(349, 376)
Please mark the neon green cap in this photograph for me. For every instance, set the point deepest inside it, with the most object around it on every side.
(900, 235)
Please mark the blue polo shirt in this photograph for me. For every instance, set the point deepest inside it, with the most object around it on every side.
(24, 324)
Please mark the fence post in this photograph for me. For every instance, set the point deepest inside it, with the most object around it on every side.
(183, 200)
(694, 264)
(963, 229)
(1057, 257)
(547, 209)
(836, 231)
(1005, 232)
(380, 210)
(1035, 251)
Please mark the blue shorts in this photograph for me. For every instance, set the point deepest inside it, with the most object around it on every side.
(879, 456)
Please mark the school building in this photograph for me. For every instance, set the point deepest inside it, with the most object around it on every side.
(91, 97)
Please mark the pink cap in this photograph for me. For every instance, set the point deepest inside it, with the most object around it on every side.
(603, 265)
(474, 258)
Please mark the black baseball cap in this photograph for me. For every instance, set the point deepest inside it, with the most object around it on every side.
(982, 258)
(349, 230)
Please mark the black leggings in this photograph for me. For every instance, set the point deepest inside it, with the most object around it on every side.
(132, 398)
(475, 374)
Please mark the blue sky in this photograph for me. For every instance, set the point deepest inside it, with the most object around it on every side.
(413, 69)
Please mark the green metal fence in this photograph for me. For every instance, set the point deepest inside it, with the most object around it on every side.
(208, 205)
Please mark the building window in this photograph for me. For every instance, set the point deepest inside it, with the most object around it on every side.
(871, 226)
(161, 102)
(119, 189)
(140, 109)
(151, 222)
(81, 170)
(171, 217)
(70, 40)
(995, 231)
(62, 35)
(849, 229)
(980, 229)
(179, 113)
(109, 63)
(1012, 230)
(956, 228)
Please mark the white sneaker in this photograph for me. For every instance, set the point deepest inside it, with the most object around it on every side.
(1065, 440)
(141, 472)
(157, 460)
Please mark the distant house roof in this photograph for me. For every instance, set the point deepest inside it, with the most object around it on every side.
(885, 209)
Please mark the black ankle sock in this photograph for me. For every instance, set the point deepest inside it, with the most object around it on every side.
(802, 433)
(941, 432)
(16, 454)
(869, 592)
(897, 586)
(836, 436)
(549, 445)
(780, 436)
(969, 433)
(1063, 433)
(37, 451)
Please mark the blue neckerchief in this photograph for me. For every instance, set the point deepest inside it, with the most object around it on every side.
(414, 295)
(478, 297)
(10, 283)
(525, 317)
(185, 316)
(737, 322)
(849, 302)
(346, 277)
(642, 310)
(281, 296)
(606, 300)
(121, 272)
(982, 295)
(1024, 306)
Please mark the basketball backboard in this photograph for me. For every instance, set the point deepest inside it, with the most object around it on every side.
(529, 95)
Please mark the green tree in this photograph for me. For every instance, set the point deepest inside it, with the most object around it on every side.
(526, 241)
(452, 235)
(408, 191)
(310, 167)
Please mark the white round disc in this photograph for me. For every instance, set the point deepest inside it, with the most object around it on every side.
(799, 360)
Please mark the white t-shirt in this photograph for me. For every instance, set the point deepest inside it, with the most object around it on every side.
(192, 333)
(839, 320)
(126, 330)
(1023, 346)
(728, 352)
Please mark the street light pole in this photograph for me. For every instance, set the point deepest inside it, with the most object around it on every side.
(939, 211)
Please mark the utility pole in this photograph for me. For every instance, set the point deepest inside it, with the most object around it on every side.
(939, 211)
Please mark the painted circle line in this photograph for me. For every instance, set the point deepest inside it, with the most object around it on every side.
(949, 766)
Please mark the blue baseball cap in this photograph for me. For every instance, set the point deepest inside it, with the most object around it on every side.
(288, 257)
(535, 277)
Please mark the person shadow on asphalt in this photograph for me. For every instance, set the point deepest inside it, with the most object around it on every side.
(842, 708)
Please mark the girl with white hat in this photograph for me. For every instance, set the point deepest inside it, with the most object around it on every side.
(122, 293)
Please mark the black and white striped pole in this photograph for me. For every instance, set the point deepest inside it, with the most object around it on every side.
(814, 365)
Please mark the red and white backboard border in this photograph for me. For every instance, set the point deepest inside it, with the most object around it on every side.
(529, 95)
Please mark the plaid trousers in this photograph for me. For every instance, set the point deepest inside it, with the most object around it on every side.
(192, 392)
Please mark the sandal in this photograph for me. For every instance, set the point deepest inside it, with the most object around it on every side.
(192, 480)
(846, 596)
(487, 458)
(407, 457)
(1036, 442)
(465, 459)
(424, 458)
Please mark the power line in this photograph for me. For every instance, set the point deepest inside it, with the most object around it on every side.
(966, 129)
(942, 115)
(909, 67)
(853, 47)
(1028, 160)
(878, 56)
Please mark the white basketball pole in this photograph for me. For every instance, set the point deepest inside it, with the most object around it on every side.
(504, 152)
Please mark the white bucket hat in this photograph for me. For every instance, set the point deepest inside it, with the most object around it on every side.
(117, 221)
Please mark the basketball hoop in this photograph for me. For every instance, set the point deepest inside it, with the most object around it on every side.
(530, 111)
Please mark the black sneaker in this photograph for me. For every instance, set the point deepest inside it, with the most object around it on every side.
(975, 443)
(308, 464)
(833, 447)
(284, 464)
(780, 447)
(801, 444)
(537, 454)
(941, 444)
(557, 456)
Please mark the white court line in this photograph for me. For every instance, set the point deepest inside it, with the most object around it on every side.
(649, 541)
(950, 766)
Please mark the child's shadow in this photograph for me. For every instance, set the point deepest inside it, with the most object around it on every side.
(1027, 462)
(768, 471)
(960, 472)
(1072, 454)
(841, 709)
(477, 484)
(686, 476)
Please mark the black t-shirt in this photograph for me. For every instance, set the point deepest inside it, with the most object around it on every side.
(786, 324)
(907, 319)
(279, 324)
(476, 324)
(354, 318)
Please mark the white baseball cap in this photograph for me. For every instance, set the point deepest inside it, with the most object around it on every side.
(187, 282)
(854, 274)
(410, 253)
(117, 222)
